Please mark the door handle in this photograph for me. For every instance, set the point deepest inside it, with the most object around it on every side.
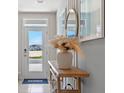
(25, 50)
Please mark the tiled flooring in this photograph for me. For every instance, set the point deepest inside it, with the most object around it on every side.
(33, 88)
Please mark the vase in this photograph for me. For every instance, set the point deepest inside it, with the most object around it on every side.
(64, 60)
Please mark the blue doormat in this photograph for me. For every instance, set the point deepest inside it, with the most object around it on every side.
(35, 81)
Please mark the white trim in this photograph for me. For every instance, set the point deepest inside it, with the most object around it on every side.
(36, 25)
(35, 19)
(91, 37)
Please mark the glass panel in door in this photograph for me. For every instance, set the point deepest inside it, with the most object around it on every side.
(35, 55)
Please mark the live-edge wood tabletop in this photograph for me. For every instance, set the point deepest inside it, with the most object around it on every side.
(73, 72)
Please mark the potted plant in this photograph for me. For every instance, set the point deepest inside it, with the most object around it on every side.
(64, 44)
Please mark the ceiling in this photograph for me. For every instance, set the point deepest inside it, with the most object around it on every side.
(34, 6)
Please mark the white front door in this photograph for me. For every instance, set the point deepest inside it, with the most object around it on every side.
(34, 65)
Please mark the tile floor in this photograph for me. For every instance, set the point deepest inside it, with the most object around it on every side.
(33, 88)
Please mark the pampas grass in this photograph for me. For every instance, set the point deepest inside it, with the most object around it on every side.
(65, 44)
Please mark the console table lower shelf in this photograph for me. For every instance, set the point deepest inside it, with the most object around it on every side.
(59, 78)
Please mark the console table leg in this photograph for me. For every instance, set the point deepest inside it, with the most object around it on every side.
(79, 85)
(58, 85)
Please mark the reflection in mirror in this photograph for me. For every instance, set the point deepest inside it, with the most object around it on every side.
(71, 23)
(71, 27)
(91, 25)
(61, 23)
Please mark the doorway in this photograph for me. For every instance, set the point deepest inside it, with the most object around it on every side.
(34, 40)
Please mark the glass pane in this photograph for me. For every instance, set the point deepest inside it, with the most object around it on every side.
(71, 32)
(61, 23)
(71, 25)
(90, 18)
(35, 50)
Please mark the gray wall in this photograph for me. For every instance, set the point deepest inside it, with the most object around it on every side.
(94, 63)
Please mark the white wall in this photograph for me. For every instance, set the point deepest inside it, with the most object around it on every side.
(51, 33)
(94, 63)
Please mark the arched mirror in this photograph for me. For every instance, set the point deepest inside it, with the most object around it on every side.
(72, 23)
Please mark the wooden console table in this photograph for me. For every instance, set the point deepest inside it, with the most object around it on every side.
(57, 75)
